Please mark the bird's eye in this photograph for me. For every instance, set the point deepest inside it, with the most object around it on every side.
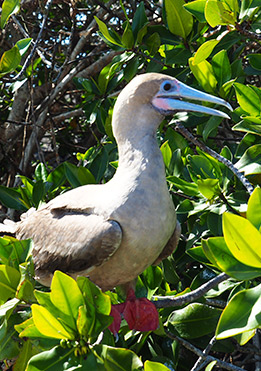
(166, 86)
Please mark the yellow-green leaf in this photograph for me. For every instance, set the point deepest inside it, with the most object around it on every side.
(242, 239)
(66, 295)
(9, 7)
(180, 22)
(254, 208)
(242, 313)
(104, 30)
(209, 187)
(48, 325)
(204, 74)
(154, 366)
(204, 51)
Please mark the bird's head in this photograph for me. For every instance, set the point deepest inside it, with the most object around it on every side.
(149, 97)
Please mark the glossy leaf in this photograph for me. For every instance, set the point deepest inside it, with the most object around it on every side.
(241, 314)
(255, 60)
(154, 366)
(118, 359)
(249, 125)
(248, 99)
(204, 74)
(166, 153)
(105, 32)
(9, 7)
(250, 162)
(66, 296)
(78, 176)
(139, 19)
(219, 13)
(180, 22)
(23, 45)
(204, 51)
(14, 252)
(51, 360)
(197, 9)
(254, 208)
(219, 255)
(48, 325)
(209, 187)
(242, 239)
(189, 188)
(194, 321)
(9, 279)
(11, 198)
(211, 125)
(9, 61)
(221, 67)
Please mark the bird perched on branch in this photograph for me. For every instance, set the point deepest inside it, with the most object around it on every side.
(112, 232)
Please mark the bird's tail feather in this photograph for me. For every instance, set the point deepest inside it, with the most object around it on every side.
(8, 226)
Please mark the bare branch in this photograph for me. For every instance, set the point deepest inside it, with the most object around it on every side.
(175, 301)
(207, 358)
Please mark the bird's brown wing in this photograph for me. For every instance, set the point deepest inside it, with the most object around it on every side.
(68, 240)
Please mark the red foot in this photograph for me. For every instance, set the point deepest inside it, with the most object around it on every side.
(140, 314)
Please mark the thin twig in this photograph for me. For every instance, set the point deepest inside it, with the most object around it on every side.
(174, 301)
(181, 129)
(199, 353)
(199, 364)
(30, 56)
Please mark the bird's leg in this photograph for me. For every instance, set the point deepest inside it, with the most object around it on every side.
(140, 313)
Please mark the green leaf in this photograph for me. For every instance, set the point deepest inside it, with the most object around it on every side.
(7, 308)
(210, 126)
(153, 43)
(14, 252)
(154, 366)
(127, 37)
(254, 208)
(255, 60)
(166, 153)
(220, 256)
(9, 61)
(241, 314)
(204, 51)
(180, 22)
(23, 45)
(194, 321)
(221, 67)
(105, 32)
(51, 360)
(48, 325)
(9, 279)
(78, 176)
(219, 13)
(41, 172)
(38, 192)
(153, 277)
(119, 359)
(197, 9)
(204, 74)
(66, 296)
(209, 188)
(189, 188)
(139, 20)
(242, 239)
(24, 355)
(9, 7)
(57, 177)
(11, 198)
(248, 99)
(250, 162)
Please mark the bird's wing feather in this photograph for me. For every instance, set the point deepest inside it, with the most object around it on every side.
(70, 241)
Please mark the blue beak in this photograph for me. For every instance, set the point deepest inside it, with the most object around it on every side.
(173, 99)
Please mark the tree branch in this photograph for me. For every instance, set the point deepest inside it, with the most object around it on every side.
(175, 301)
(181, 129)
(207, 358)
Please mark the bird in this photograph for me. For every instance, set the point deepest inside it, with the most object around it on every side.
(112, 232)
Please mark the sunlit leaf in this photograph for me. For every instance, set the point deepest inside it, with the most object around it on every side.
(242, 239)
(209, 187)
(154, 366)
(204, 51)
(250, 162)
(248, 99)
(9, 7)
(242, 313)
(197, 9)
(180, 22)
(204, 74)
(9, 279)
(254, 208)
(48, 325)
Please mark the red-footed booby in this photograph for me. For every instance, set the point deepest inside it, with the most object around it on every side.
(112, 232)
